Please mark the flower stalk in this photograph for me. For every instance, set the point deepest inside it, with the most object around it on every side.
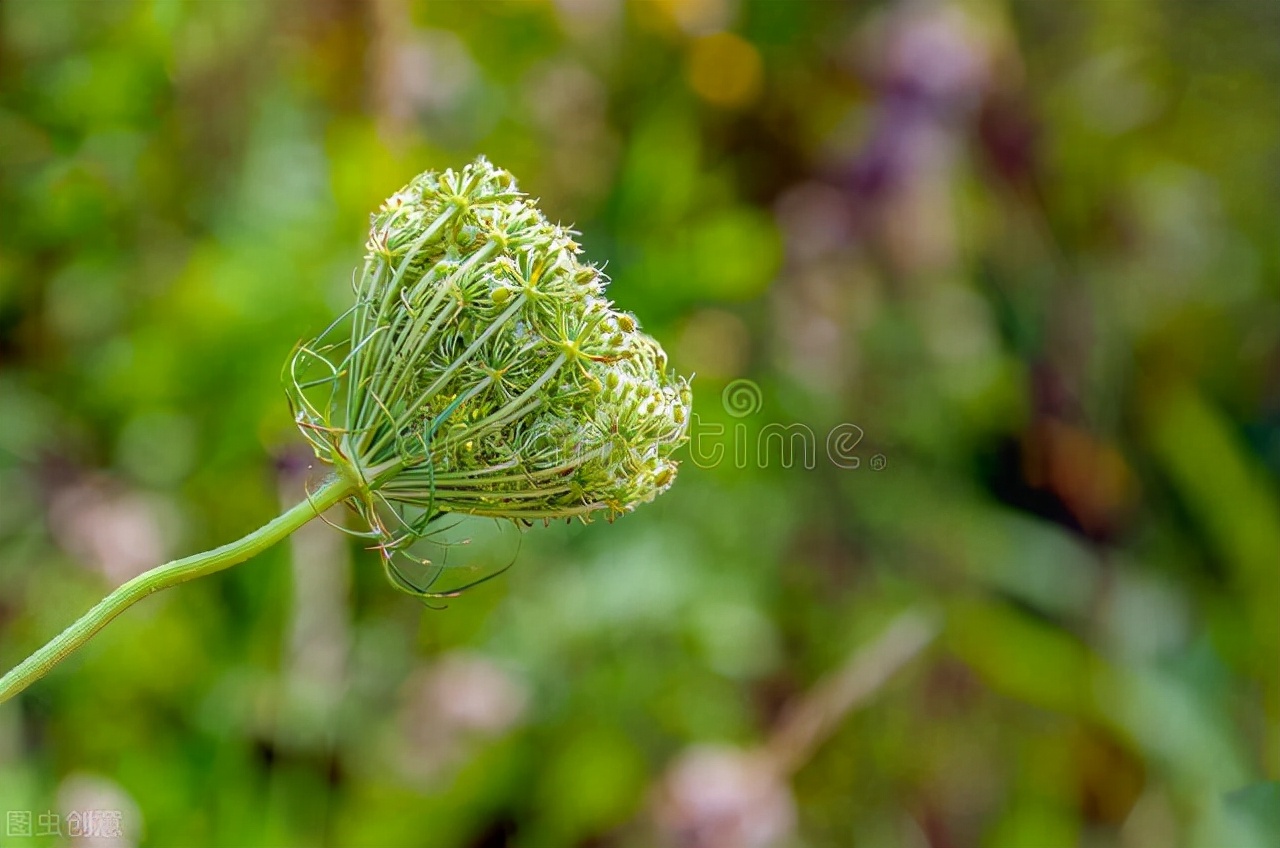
(330, 493)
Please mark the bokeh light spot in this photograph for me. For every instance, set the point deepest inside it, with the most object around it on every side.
(724, 69)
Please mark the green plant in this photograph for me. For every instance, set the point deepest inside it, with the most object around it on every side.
(480, 371)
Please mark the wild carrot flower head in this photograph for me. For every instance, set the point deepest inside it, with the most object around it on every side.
(485, 372)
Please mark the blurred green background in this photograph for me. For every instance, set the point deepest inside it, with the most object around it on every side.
(1026, 251)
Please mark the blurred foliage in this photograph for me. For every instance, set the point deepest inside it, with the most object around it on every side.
(1028, 248)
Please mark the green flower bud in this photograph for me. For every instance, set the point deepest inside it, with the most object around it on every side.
(542, 403)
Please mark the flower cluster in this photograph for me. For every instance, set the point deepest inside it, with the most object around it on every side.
(485, 371)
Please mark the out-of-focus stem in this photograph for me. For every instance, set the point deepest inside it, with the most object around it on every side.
(809, 721)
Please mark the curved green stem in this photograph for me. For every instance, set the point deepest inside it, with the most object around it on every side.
(331, 492)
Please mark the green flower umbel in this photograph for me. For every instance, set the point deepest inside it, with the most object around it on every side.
(485, 372)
